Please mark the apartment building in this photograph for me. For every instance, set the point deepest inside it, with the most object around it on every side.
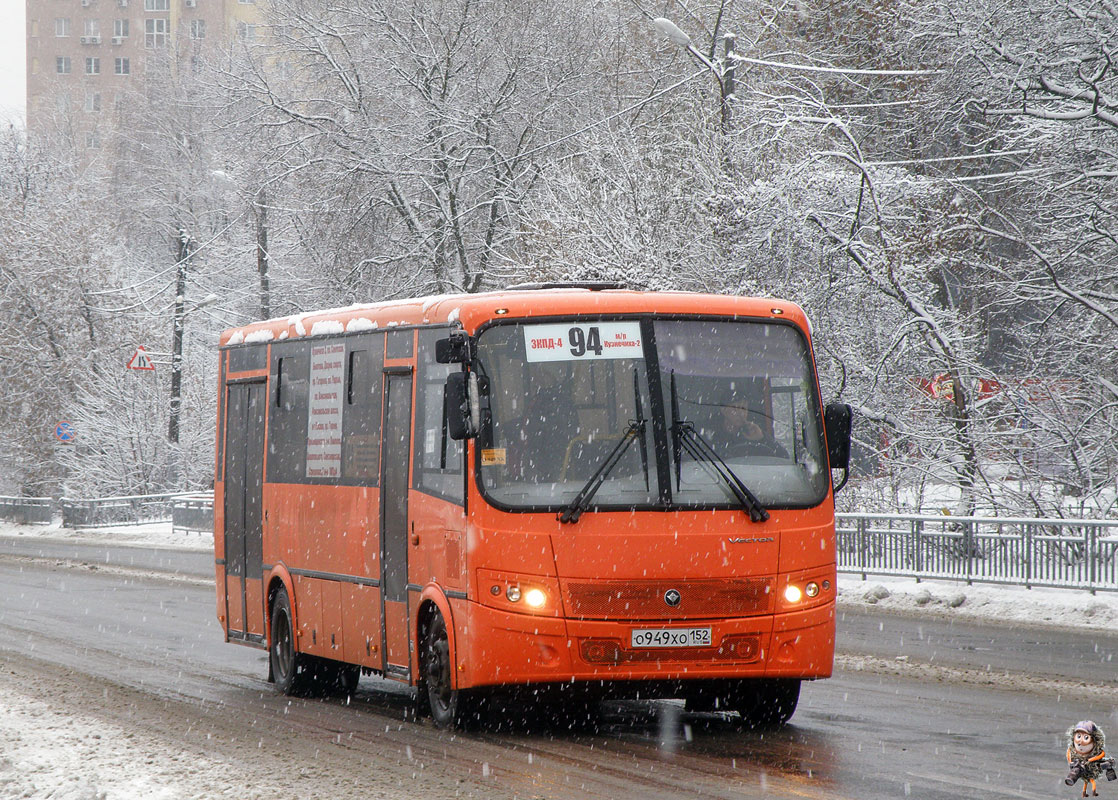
(86, 57)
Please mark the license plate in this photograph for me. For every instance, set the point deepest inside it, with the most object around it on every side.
(670, 637)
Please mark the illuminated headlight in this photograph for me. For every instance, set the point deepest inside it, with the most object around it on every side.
(535, 598)
(812, 589)
(793, 594)
(513, 593)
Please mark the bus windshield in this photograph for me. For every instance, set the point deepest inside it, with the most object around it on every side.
(562, 397)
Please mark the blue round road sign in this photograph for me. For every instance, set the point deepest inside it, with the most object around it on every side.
(64, 431)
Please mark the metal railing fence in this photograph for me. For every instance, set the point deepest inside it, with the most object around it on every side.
(1063, 553)
(26, 509)
(128, 510)
(193, 514)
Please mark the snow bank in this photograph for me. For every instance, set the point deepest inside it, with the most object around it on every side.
(1070, 608)
(154, 534)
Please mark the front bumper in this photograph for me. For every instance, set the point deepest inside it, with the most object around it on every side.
(499, 647)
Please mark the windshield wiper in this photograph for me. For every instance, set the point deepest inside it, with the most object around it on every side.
(685, 437)
(635, 431)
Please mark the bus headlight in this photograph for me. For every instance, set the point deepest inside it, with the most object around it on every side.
(523, 594)
(535, 598)
(792, 593)
(812, 589)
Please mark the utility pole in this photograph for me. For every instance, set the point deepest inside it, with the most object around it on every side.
(179, 320)
(260, 207)
(724, 70)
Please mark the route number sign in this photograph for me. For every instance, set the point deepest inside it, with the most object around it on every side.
(582, 341)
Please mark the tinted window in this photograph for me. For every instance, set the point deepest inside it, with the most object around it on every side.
(287, 434)
(361, 440)
(249, 357)
(438, 461)
(400, 344)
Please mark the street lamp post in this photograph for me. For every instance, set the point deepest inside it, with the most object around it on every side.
(723, 69)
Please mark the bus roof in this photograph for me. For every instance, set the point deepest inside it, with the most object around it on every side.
(473, 310)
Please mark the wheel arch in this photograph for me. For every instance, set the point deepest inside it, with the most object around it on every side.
(431, 599)
(280, 578)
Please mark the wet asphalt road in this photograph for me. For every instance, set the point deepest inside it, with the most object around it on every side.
(857, 735)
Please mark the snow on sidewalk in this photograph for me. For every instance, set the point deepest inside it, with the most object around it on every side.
(1070, 608)
(152, 534)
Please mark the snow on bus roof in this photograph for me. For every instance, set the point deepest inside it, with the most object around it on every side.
(452, 308)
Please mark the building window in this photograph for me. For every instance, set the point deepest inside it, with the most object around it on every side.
(246, 32)
(122, 66)
(92, 140)
(197, 29)
(157, 5)
(92, 101)
(247, 2)
(62, 26)
(93, 27)
(93, 66)
(62, 102)
(155, 32)
(120, 28)
(62, 65)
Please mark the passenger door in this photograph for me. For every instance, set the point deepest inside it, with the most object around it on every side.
(244, 491)
(395, 464)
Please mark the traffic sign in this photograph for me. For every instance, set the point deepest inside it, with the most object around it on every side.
(64, 432)
(140, 360)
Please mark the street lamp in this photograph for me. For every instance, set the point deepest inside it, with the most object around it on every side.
(723, 68)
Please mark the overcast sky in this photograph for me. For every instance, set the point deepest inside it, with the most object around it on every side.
(13, 67)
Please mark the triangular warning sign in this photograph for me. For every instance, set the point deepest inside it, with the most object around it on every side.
(141, 360)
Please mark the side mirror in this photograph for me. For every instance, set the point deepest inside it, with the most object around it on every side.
(454, 349)
(837, 421)
(462, 402)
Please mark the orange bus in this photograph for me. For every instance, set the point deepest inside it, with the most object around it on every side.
(570, 486)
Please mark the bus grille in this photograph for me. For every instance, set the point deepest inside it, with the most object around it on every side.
(631, 600)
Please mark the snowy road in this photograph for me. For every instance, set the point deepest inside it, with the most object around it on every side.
(130, 671)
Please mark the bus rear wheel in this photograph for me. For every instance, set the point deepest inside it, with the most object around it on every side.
(448, 706)
(767, 703)
(289, 667)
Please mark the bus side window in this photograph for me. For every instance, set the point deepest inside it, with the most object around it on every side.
(287, 437)
(438, 458)
(361, 412)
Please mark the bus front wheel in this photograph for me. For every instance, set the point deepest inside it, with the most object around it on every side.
(768, 703)
(289, 668)
(448, 706)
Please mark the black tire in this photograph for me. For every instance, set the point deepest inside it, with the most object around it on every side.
(289, 667)
(768, 703)
(449, 707)
(351, 674)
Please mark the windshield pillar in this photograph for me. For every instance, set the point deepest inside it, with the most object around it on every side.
(659, 417)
